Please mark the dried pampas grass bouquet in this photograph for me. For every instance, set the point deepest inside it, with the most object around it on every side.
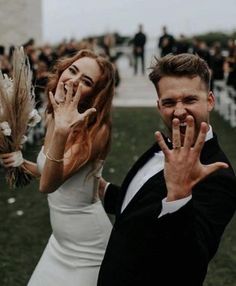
(17, 113)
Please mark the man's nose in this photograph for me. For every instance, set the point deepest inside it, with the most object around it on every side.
(179, 109)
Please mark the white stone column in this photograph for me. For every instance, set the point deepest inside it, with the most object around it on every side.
(20, 20)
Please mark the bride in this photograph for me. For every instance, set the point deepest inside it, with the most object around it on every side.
(70, 163)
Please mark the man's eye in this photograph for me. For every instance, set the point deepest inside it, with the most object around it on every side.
(189, 100)
(168, 103)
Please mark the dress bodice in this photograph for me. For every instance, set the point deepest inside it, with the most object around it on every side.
(77, 191)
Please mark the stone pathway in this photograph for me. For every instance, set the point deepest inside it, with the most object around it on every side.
(133, 91)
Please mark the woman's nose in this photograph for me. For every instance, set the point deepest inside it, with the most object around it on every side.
(75, 80)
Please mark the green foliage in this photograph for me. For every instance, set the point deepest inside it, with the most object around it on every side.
(23, 237)
(212, 37)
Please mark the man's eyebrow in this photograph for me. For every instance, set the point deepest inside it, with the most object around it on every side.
(167, 99)
(84, 75)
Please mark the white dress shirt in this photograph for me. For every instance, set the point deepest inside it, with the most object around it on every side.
(152, 167)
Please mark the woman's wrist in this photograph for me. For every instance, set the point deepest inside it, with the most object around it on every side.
(61, 131)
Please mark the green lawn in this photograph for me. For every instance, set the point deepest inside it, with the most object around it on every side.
(23, 237)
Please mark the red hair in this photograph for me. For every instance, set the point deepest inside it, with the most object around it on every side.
(101, 99)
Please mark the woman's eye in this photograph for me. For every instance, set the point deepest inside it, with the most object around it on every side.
(72, 70)
(86, 82)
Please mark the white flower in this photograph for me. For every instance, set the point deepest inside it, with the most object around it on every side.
(34, 118)
(23, 139)
(8, 85)
(5, 128)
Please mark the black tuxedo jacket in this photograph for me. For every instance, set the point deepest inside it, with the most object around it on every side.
(176, 248)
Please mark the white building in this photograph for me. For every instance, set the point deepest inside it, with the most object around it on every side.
(20, 20)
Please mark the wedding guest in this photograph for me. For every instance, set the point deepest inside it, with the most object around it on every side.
(139, 42)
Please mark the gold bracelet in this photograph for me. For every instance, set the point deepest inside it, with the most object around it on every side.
(53, 159)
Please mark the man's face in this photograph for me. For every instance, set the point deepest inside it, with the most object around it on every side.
(182, 96)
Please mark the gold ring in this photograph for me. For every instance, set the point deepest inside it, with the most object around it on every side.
(176, 147)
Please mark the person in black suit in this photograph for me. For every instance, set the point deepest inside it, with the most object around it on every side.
(166, 43)
(139, 42)
(177, 199)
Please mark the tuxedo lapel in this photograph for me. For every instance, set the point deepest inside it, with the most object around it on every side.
(139, 163)
(210, 147)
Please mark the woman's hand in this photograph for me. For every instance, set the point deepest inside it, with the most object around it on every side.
(66, 111)
(13, 159)
(183, 169)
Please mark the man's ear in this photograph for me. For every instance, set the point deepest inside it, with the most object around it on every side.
(211, 101)
(158, 104)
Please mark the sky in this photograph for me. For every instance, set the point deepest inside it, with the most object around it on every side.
(64, 19)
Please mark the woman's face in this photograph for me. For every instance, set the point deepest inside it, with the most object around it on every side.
(83, 73)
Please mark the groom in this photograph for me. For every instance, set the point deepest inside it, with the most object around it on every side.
(175, 202)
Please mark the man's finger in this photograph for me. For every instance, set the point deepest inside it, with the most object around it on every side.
(162, 143)
(189, 134)
(201, 137)
(215, 166)
(176, 140)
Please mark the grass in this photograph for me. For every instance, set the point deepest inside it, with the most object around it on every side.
(23, 237)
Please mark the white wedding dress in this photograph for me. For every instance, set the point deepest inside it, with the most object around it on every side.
(80, 232)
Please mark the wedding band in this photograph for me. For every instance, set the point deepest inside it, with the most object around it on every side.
(176, 147)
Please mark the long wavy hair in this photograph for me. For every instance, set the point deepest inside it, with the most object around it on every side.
(101, 99)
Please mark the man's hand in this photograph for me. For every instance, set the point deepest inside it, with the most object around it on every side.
(183, 169)
(101, 188)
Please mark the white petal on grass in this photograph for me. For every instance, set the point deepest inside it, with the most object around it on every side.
(11, 200)
(112, 170)
(19, 212)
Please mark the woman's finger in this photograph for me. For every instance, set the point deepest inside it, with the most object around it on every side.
(60, 93)
(69, 93)
(88, 112)
(77, 96)
(5, 155)
(52, 99)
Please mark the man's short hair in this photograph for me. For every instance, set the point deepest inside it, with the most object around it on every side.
(181, 65)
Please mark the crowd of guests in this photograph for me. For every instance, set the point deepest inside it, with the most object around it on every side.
(42, 58)
(222, 62)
